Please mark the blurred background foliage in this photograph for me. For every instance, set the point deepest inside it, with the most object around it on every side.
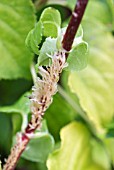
(90, 91)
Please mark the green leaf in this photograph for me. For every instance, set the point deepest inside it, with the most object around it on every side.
(11, 90)
(94, 93)
(19, 112)
(110, 129)
(111, 6)
(31, 44)
(18, 122)
(52, 15)
(34, 38)
(79, 32)
(37, 33)
(109, 143)
(100, 154)
(16, 20)
(48, 49)
(51, 20)
(5, 133)
(58, 115)
(101, 11)
(94, 85)
(71, 3)
(21, 106)
(29, 165)
(77, 59)
(39, 147)
(76, 151)
(41, 166)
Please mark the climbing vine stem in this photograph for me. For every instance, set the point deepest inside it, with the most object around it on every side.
(45, 87)
(74, 23)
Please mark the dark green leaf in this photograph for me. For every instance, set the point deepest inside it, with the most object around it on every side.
(19, 112)
(21, 106)
(58, 115)
(5, 133)
(12, 90)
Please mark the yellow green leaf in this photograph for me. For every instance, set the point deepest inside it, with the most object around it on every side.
(94, 85)
(76, 152)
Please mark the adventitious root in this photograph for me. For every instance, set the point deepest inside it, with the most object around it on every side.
(43, 90)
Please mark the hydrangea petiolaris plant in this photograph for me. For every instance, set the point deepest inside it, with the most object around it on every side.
(52, 59)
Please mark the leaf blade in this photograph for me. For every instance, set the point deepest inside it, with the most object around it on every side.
(40, 146)
(78, 58)
(48, 49)
(71, 156)
(15, 24)
(51, 20)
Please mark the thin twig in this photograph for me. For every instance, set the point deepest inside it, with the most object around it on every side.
(74, 105)
(33, 72)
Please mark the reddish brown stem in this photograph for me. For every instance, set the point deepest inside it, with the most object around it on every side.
(18, 149)
(74, 24)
